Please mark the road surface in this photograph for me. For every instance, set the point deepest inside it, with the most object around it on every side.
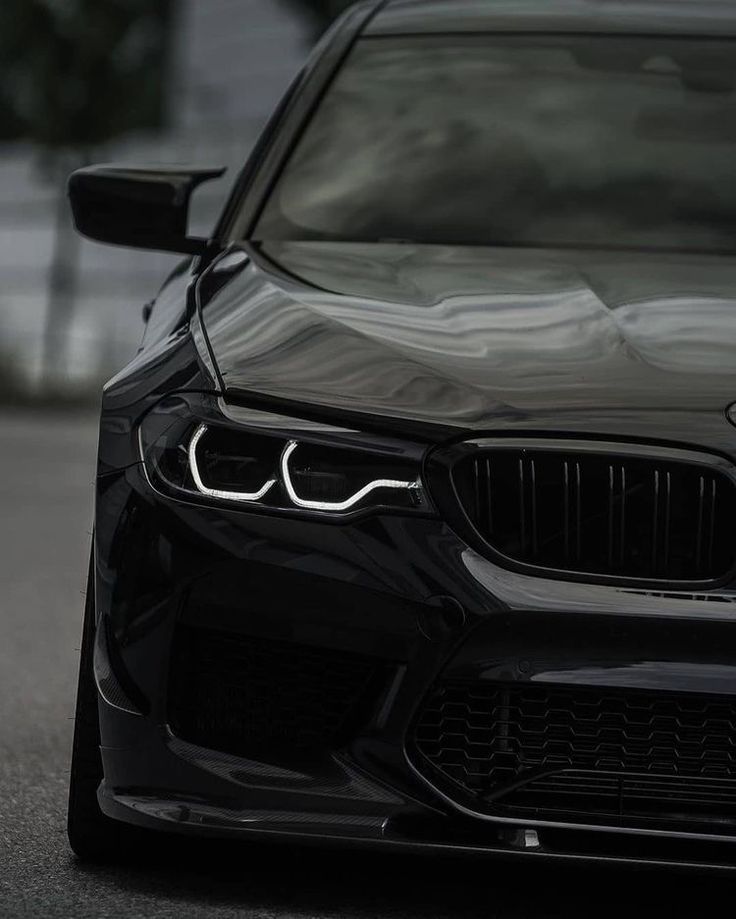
(46, 472)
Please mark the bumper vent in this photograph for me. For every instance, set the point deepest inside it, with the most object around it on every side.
(540, 752)
(630, 517)
(249, 696)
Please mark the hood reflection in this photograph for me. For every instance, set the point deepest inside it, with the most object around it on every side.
(475, 337)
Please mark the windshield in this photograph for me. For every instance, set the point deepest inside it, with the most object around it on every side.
(604, 141)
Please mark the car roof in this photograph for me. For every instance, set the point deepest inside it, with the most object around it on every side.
(702, 17)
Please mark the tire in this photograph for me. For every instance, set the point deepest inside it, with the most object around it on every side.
(93, 836)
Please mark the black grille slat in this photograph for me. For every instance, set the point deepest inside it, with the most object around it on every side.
(489, 493)
(699, 530)
(667, 518)
(711, 542)
(578, 512)
(566, 505)
(655, 522)
(567, 749)
(611, 511)
(622, 544)
(535, 531)
(476, 484)
(522, 505)
(587, 513)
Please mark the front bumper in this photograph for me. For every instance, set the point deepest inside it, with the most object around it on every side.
(416, 603)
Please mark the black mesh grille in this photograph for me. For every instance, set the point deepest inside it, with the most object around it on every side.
(628, 517)
(247, 696)
(583, 751)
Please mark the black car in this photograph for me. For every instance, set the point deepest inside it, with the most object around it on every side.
(416, 511)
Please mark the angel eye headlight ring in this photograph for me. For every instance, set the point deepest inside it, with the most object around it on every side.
(345, 505)
(281, 487)
(249, 497)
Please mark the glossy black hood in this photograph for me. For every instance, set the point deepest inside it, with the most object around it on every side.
(484, 339)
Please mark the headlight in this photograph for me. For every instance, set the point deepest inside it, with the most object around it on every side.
(246, 458)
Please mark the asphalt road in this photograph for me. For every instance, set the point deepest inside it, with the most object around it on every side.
(46, 470)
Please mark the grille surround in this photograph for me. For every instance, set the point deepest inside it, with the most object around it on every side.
(515, 751)
(616, 505)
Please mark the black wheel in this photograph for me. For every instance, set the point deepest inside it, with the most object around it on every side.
(92, 835)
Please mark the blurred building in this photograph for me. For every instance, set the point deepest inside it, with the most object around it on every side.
(233, 60)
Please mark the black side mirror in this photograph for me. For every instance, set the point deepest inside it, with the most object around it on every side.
(147, 208)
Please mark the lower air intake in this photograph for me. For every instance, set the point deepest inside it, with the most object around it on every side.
(583, 754)
(253, 696)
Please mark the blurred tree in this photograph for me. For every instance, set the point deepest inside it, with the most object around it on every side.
(74, 75)
(320, 13)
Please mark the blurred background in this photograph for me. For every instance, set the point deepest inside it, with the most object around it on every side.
(149, 81)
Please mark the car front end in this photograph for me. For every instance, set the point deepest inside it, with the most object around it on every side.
(396, 632)
(415, 528)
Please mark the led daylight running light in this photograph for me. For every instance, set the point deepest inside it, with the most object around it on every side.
(333, 505)
(254, 497)
(215, 492)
